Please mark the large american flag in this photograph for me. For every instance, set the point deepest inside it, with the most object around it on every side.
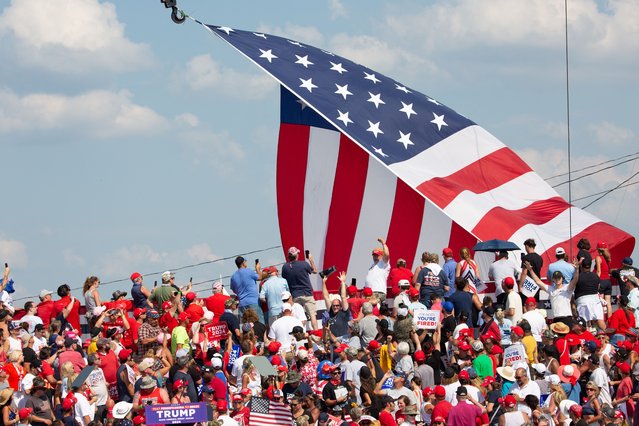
(359, 153)
(265, 412)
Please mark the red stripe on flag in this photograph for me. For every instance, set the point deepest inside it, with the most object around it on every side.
(502, 223)
(346, 203)
(406, 223)
(460, 238)
(483, 175)
(292, 153)
(621, 242)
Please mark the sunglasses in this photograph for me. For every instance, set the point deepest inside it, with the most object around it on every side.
(590, 389)
(336, 372)
(519, 377)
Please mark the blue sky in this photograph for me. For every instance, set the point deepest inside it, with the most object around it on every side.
(132, 143)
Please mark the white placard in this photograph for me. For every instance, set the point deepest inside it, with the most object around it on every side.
(529, 288)
(426, 319)
(514, 354)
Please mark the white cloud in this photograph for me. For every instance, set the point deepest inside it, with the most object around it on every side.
(203, 72)
(459, 24)
(13, 252)
(187, 119)
(99, 113)
(337, 8)
(607, 134)
(72, 259)
(379, 55)
(72, 36)
(122, 261)
(305, 34)
(201, 253)
(218, 149)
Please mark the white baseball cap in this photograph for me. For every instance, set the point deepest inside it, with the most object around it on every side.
(286, 307)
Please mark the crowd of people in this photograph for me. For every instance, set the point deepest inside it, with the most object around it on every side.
(409, 347)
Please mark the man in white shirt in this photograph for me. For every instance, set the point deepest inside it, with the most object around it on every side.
(351, 374)
(523, 387)
(535, 319)
(31, 317)
(283, 326)
(298, 310)
(500, 269)
(513, 306)
(377, 276)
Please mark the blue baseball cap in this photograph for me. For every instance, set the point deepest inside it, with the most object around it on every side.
(448, 306)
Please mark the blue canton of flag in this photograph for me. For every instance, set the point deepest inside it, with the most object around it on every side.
(391, 121)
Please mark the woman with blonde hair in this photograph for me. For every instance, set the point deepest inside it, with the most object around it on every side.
(591, 409)
(468, 269)
(557, 394)
(91, 295)
(67, 376)
(251, 378)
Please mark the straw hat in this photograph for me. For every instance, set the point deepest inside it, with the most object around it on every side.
(508, 373)
(560, 328)
(5, 395)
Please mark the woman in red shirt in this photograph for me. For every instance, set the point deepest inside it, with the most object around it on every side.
(14, 370)
(622, 319)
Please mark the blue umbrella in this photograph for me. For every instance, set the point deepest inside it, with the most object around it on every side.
(495, 245)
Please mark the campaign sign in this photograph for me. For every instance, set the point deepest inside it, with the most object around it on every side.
(388, 384)
(216, 331)
(236, 352)
(171, 414)
(426, 319)
(529, 288)
(514, 354)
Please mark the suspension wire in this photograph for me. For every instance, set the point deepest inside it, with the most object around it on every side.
(595, 172)
(604, 192)
(595, 165)
(568, 129)
(179, 268)
(609, 191)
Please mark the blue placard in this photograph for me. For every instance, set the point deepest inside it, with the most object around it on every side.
(235, 354)
(388, 384)
(171, 414)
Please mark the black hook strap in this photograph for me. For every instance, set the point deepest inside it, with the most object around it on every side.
(177, 15)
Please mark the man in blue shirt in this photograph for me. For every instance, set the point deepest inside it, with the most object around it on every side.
(272, 291)
(449, 269)
(244, 285)
(566, 269)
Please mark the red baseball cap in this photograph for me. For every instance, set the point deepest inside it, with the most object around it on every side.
(623, 367)
(184, 316)
(124, 354)
(419, 356)
(464, 346)
(274, 346)
(531, 301)
(447, 252)
(190, 296)
(464, 375)
(25, 412)
(368, 291)
(488, 380)
(351, 290)
(428, 391)
(69, 402)
(466, 332)
(221, 405)
(378, 251)
(138, 420)
(509, 282)
(439, 419)
(341, 348)
(413, 292)
(139, 311)
(167, 305)
(440, 391)
(602, 245)
(282, 368)
(374, 344)
(135, 276)
(510, 401)
(576, 409)
(517, 330)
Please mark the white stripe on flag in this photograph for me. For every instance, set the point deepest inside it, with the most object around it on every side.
(323, 150)
(469, 208)
(374, 219)
(448, 156)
